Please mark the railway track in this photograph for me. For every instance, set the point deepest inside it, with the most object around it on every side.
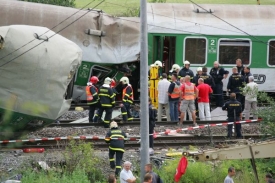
(136, 122)
(159, 142)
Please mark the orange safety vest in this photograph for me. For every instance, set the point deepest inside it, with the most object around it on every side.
(176, 91)
(189, 92)
(89, 94)
(131, 95)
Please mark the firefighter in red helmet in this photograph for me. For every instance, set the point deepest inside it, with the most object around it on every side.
(92, 97)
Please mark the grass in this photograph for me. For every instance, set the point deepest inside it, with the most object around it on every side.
(119, 7)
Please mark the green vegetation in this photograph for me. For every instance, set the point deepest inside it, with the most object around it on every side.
(69, 3)
(215, 172)
(122, 7)
(80, 165)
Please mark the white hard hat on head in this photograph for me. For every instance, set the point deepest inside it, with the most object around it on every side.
(158, 63)
(186, 62)
(152, 65)
(199, 69)
(107, 81)
(113, 124)
(175, 67)
(124, 80)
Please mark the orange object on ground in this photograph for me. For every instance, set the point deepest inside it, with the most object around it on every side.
(33, 150)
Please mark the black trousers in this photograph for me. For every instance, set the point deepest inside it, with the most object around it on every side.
(108, 115)
(218, 93)
(126, 113)
(115, 163)
(92, 109)
(151, 138)
(238, 129)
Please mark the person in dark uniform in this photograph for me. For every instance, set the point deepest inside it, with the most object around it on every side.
(207, 78)
(247, 73)
(240, 67)
(92, 97)
(127, 100)
(107, 101)
(234, 113)
(218, 74)
(235, 83)
(152, 121)
(175, 70)
(186, 71)
(115, 137)
(197, 77)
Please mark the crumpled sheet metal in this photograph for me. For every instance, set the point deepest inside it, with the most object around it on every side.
(35, 83)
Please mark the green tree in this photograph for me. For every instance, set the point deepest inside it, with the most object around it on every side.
(68, 3)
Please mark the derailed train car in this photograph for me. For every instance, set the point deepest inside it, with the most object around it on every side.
(110, 44)
(34, 79)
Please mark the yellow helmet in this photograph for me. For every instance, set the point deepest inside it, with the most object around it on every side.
(124, 80)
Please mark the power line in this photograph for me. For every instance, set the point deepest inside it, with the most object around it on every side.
(178, 19)
(231, 24)
(47, 30)
(53, 34)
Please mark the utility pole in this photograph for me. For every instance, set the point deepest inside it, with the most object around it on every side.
(144, 116)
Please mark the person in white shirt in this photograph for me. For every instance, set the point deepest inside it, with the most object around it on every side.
(163, 86)
(250, 92)
(126, 175)
(231, 173)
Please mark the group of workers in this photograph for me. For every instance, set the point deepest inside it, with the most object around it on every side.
(192, 93)
(103, 99)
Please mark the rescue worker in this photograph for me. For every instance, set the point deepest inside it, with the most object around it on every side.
(246, 74)
(127, 100)
(234, 113)
(115, 137)
(107, 101)
(240, 67)
(219, 74)
(235, 83)
(99, 111)
(175, 70)
(159, 65)
(189, 93)
(92, 97)
(152, 122)
(198, 75)
(186, 71)
(207, 78)
(174, 96)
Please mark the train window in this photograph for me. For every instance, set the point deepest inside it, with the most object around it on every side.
(195, 50)
(231, 50)
(271, 54)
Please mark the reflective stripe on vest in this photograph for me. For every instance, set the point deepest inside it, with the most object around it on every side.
(176, 92)
(189, 92)
(131, 95)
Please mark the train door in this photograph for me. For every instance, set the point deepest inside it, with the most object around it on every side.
(165, 51)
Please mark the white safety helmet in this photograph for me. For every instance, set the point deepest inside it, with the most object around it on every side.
(113, 124)
(124, 80)
(107, 81)
(175, 67)
(199, 69)
(158, 63)
(186, 62)
(152, 65)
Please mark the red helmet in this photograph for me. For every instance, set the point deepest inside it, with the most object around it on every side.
(94, 79)
(113, 83)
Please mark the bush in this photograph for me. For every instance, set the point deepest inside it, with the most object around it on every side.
(68, 3)
(214, 172)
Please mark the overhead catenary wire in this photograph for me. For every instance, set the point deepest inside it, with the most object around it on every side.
(53, 34)
(197, 33)
(231, 24)
(47, 30)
